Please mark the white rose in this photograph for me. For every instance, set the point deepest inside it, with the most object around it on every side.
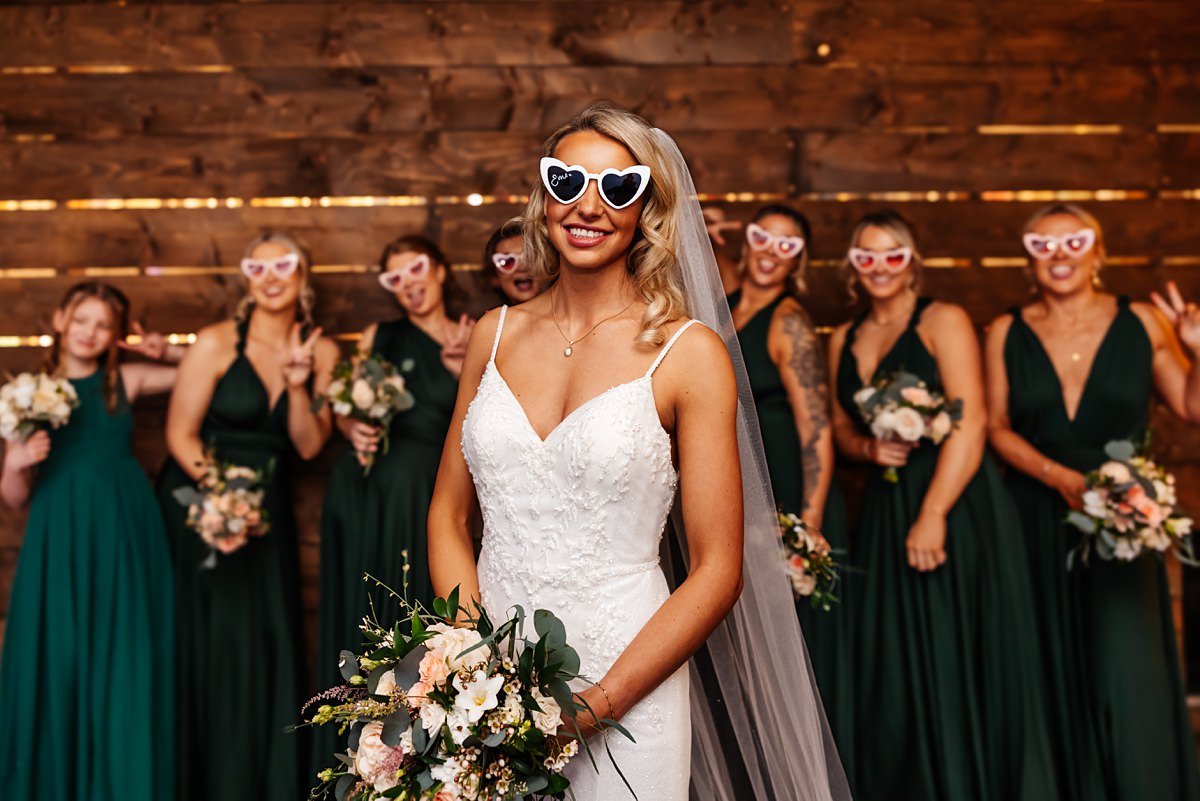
(1117, 472)
(377, 411)
(909, 424)
(24, 386)
(342, 409)
(550, 718)
(336, 388)
(939, 429)
(61, 412)
(8, 425)
(1094, 504)
(459, 723)
(884, 424)
(450, 643)
(432, 717)
(362, 394)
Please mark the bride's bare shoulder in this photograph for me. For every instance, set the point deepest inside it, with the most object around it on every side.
(698, 360)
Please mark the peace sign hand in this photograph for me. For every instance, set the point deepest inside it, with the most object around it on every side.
(1184, 317)
(455, 348)
(299, 364)
(152, 345)
(716, 225)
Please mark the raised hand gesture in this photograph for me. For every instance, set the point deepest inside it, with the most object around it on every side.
(152, 345)
(717, 225)
(299, 364)
(1184, 317)
(454, 350)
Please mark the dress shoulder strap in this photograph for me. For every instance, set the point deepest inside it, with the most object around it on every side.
(662, 354)
(499, 330)
(243, 326)
(918, 309)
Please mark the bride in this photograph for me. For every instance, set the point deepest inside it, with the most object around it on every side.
(581, 414)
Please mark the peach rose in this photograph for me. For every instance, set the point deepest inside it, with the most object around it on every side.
(418, 694)
(1144, 505)
(917, 396)
(433, 670)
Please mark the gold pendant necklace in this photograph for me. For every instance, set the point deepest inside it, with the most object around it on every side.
(570, 348)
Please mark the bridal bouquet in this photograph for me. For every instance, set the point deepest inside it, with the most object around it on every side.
(811, 568)
(900, 407)
(226, 508)
(370, 389)
(441, 712)
(1129, 510)
(29, 402)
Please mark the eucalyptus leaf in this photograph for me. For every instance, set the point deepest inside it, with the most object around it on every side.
(1121, 450)
(494, 739)
(341, 790)
(348, 664)
(1081, 521)
(188, 496)
(394, 725)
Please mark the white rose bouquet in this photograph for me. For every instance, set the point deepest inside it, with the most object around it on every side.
(813, 571)
(370, 389)
(1129, 510)
(468, 712)
(32, 401)
(901, 407)
(226, 508)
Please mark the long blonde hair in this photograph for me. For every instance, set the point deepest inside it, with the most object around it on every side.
(308, 297)
(895, 226)
(653, 265)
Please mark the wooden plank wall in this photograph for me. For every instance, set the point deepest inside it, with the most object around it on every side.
(142, 140)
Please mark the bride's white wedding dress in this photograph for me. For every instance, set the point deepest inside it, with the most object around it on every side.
(572, 524)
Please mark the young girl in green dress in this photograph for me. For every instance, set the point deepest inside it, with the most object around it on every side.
(375, 523)
(87, 671)
(245, 396)
(785, 362)
(947, 698)
(1068, 373)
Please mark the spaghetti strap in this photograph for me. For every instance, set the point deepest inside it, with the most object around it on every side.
(918, 309)
(243, 327)
(499, 329)
(662, 354)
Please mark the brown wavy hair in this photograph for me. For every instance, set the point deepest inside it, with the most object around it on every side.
(452, 294)
(652, 261)
(110, 362)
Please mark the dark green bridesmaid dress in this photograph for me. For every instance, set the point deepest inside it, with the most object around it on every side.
(1119, 714)
(239, 659)
(948, 703)
(827, 635)
(87, 674)
(376, 523)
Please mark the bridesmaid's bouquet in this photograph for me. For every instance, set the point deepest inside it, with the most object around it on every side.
(31, 401)
(441, 712)
(811, 568)
(901, 407)
(370, 389)
(1129, 510)
(226, 507)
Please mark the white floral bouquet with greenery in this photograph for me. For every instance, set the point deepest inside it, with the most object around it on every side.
(370, 389)
(226, 507)
(31, 401)
(1129, 510)
(455, 712)
(900, 407)
(811, 567)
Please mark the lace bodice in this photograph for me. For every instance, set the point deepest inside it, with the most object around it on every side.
(572, 523)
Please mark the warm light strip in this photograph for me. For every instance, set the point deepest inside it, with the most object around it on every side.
(1051, 195)
(28, 70)
(1178, 127)
(1003, 261)
(1040, 130)
(28, 205)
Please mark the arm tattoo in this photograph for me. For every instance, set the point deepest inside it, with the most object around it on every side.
(808, 366)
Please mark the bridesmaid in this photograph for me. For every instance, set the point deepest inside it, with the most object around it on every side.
(504, 265)
(376, 523)
(1087, 365)
(86, 678)
(786, 366)
(947, 702)
(246, 391)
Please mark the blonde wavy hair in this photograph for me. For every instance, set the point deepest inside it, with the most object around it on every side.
(308, 297)
(895, 226)
(653, 265)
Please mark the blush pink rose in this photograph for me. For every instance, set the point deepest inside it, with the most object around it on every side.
(917, 396)
(1145, 506)
(418, 694)
(433, 669)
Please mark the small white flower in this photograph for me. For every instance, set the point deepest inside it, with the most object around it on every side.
(459, 721)
(1127, 549)
(1094, 504)
(884, 424)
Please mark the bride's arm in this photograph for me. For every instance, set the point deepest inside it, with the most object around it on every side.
(705, 423)
(451, 551)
